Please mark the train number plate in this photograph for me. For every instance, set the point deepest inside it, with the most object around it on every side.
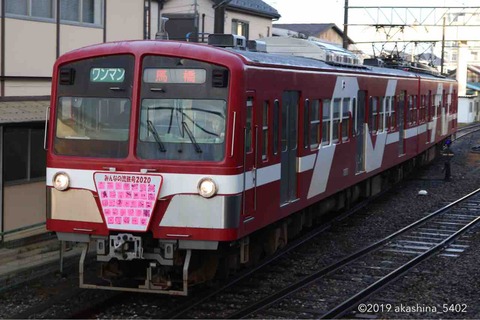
(127, 199)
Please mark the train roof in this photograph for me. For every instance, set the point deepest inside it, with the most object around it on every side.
(248, 56)
(312, 53)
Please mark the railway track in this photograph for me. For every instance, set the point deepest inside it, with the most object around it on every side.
(372, 268)
(467, 130)
(336, 289)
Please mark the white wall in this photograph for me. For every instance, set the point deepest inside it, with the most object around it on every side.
(258, 27)
(124, 20)
(29, 48)
(468, 109)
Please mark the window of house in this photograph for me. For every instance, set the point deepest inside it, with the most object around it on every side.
(31, 8)
(240, 28)
(24, 157)
(81, 11)
(74, 11)
(474, 55)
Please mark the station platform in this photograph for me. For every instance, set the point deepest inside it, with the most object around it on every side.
(33, 257)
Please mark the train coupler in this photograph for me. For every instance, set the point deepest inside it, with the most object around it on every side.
(160, 284)
(124, 246)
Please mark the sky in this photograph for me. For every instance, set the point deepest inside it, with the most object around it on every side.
(328, 11)
(332, 11)
(309, 11)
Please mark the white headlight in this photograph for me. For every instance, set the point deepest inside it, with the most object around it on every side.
(61, 181)
(207, 188)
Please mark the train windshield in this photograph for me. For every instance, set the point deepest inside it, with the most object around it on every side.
(95, 122)
(182, 129)
(183, 110)
(94, 107)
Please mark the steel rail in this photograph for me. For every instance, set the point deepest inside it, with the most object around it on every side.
(181, 312)
(340, 309)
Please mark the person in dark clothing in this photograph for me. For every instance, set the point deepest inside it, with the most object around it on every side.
(447, 155)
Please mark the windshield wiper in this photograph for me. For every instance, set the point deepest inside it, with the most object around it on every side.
(192, 138)
(156, 136)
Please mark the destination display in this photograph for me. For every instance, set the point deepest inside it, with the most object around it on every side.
(163, 75)
(111, 75)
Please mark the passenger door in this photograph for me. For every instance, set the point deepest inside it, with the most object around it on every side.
(359, 115)
(289, 138)
(401, 122)
(250, 131)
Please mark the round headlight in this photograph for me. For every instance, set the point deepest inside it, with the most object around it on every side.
(61, 181)
(207, 188)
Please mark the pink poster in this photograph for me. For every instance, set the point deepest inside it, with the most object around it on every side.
(127, 199)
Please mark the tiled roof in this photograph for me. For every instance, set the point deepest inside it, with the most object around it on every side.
(22, 111)
(475, 69)
(257, 6)
(308, 29)
(311, 29)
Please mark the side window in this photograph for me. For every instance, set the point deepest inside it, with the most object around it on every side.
(381, 114)
(326, 122)
(315, 133)
(249, 125)
(438, 104)
(266, 107)
(336, 119)
(429, 106)
(276, 115)
(373, 111)
(284, 132)
(354, 117)
(306, 123)
(388, 113)
(414, 109)
(345, 118)
(393, 114)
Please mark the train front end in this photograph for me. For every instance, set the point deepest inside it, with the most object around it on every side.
(137, 165)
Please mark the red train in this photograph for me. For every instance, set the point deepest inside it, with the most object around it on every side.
(179, 160)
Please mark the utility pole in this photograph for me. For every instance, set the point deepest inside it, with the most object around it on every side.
(443, 47)
(345, 26)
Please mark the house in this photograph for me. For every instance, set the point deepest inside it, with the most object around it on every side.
(469, 103)
(192, 20)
